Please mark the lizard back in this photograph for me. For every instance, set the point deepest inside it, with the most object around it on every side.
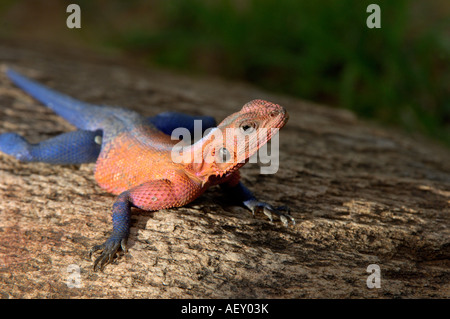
(132, 154)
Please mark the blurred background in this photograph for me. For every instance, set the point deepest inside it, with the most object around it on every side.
(320, 51)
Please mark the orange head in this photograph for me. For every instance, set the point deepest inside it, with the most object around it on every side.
(229, 146)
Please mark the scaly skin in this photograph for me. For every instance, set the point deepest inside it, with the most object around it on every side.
(136, 159)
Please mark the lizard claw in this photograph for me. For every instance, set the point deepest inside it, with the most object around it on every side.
(268, 210)
(109, 250)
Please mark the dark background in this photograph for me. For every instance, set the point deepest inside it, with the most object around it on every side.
(316, 50)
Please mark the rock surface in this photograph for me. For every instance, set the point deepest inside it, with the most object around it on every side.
(361, 194)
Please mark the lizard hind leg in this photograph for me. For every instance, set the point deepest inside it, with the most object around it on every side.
(15, 145)
(68, 148)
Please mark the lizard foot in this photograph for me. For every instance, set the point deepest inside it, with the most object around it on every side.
(109, 249)
(268, 210)
(15, 145)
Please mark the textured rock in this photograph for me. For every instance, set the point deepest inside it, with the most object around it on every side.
(361, 195)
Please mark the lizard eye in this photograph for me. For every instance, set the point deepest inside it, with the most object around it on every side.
(248, 127)
(224, 155)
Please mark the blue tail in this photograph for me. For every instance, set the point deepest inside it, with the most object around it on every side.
(83, 115)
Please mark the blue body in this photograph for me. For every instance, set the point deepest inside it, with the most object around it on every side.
(83, 145)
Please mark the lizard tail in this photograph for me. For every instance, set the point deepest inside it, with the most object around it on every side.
(83, 115)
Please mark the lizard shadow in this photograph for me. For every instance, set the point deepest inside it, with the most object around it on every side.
(214, 217)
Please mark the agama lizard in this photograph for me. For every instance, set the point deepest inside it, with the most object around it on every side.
(134, 155)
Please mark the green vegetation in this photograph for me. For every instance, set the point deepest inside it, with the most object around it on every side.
(317, 50)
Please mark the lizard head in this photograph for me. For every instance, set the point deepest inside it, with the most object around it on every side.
(239, 136)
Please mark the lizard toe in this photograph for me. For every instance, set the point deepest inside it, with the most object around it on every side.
(270, 211)
(109, 250)
(285, 218)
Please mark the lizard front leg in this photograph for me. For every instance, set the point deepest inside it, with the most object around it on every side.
(237, 190)
(153, 195)
(121, 216)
